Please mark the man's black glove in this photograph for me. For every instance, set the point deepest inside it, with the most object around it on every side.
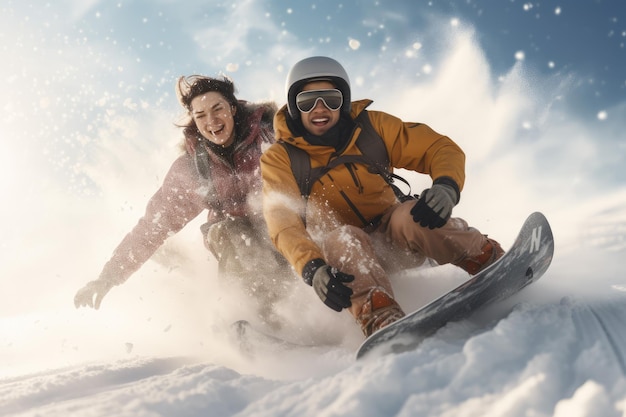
(328, 284)
(434, 207)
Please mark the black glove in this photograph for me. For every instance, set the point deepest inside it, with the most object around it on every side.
(434, 207)
(328, 284)
(92, 294)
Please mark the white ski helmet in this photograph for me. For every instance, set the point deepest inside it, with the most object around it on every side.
(316, 68)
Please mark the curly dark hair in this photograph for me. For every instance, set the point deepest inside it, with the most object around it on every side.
(190, 87)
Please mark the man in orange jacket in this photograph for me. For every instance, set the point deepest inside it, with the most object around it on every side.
(351, 229)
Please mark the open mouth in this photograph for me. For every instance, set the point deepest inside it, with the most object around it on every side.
(320, 121)
(218, 131)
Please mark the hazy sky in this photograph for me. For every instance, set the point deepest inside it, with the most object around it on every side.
(88, 105)
(72, 65)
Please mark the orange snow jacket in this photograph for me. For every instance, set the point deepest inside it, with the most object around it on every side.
(348, 193)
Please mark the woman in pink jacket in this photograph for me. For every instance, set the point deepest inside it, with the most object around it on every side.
(219, 172)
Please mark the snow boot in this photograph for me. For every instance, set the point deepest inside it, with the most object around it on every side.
(491, 252)
(379, 310)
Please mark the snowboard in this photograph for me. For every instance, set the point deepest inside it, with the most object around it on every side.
(525, 262)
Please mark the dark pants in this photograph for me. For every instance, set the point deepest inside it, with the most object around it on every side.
(247, 258)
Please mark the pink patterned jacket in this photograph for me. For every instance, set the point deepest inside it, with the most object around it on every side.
(230, 189)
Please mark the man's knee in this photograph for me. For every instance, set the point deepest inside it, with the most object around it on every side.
(350, 249)
(345, 235)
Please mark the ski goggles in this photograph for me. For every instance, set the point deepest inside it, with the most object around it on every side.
(307, 100)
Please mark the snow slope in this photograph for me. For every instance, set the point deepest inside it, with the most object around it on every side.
(562, 359)
(556, 349)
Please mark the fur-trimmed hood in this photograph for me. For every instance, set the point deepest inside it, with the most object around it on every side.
(269, 110)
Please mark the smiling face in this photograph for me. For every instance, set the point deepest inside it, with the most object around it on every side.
(321, 118)
(214, 118)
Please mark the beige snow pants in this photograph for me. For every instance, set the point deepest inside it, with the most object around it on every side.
(396, 243)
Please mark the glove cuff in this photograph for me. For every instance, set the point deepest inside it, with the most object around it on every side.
(110, 278)
(310, 268)
(450, 183)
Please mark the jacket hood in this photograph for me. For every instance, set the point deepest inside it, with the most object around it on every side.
(269, 109)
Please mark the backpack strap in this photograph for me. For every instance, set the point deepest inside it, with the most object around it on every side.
(305, 175)
(373, 155)
(300, 167)
(371, 145)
